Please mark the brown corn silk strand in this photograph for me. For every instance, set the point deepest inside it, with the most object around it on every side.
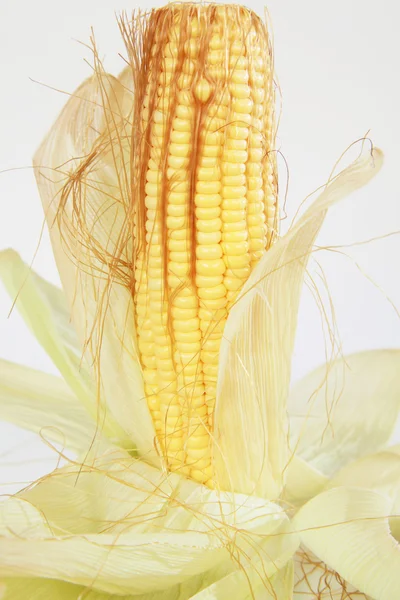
(314, 577)
(204, 203)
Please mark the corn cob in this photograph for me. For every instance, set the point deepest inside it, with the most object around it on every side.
(204, 204)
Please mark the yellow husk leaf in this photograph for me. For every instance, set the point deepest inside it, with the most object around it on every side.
(138, 530)
(336, 411)
(44, 308)
(348, 528)
(101, 308)
(44, 404)
(256, 351)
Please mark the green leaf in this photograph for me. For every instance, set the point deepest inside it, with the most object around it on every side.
(345, 410)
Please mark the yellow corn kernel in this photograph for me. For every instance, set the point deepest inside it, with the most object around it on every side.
(204, 211)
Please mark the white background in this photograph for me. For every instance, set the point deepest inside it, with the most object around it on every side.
(338, 65)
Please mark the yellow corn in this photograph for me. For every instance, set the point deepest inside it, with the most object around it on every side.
(204, 203)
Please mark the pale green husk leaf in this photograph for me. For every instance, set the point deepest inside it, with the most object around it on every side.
(44, 309)
(139, 530)
(348, 529)
(345, 410)
(44, 404)
(39, 589)
(314, 579)
(303, 481)
(268, 575)
(87, 220)
(256, 350)
(380, 472)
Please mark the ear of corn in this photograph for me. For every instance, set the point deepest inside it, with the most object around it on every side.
(204, 204)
